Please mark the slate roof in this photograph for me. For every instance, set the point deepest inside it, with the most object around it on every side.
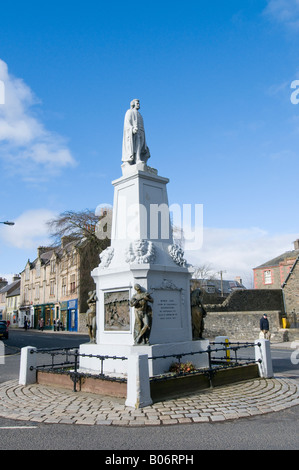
(10, 287)
(276, 261)
(228, 286)
(47, 255)
(16, 291)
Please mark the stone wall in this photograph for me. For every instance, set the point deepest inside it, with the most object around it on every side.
(243, 326)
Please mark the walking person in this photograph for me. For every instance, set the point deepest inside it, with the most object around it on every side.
(41, 324)
(264, 327)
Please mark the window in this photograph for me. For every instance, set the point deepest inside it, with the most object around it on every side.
(53, 266)
(37, 271)
(26, 294)
(64, 263)
(27, 273)
(268, 277)
(52, 287)
(73, 258)
(36, 291)
(63, 287)
(73, 283)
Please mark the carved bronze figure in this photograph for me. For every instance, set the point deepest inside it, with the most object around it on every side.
(198, 313)
(91, 316)
(143, 315)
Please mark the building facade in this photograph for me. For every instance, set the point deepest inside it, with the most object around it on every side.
(10, 299)
(273, 273)
(282, 273)
(13, 305)
(290, 290)
(55, 286)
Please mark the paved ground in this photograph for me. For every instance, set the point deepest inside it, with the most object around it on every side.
(39, 403)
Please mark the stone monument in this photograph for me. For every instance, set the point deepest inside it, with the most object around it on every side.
(143, 280)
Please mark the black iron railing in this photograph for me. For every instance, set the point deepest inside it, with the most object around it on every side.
(71, 366)
(215, 363)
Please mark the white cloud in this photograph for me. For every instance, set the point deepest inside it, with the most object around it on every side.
(238, 251)
(24, 141)
(284, 11)
(30, 230)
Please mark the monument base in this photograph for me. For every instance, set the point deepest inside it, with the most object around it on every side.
(117, 362)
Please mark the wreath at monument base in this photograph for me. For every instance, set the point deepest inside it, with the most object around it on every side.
(179, 367)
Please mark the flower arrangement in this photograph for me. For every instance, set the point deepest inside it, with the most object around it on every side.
(179, 367)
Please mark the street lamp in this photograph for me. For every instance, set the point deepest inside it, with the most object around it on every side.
(7, 223)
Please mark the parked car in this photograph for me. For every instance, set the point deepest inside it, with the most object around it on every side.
(3, 329)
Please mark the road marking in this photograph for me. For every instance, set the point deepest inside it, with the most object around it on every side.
(18, 427)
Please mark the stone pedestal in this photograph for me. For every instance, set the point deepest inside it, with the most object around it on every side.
(142, 252)
(117, 363)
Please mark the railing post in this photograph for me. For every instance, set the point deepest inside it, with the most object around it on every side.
(210, 370)
(138, 384)
(27, 374)
(224, 351)
(263, 357)
(75, 377)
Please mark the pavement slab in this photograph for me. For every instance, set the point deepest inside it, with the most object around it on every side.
(47, 404)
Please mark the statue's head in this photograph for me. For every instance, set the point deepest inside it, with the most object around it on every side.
(135, 104)
(137, 287)
(195, 297)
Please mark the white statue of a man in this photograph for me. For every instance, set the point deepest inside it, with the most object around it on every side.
(135, 149)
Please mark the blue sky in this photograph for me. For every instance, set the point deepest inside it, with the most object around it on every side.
(214, 81)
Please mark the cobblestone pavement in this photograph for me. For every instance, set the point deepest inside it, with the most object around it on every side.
(39, 403)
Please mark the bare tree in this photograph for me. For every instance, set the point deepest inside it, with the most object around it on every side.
(203, 272)
(81, 225)
(92, 233)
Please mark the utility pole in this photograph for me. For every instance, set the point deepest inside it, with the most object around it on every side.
(221, 281)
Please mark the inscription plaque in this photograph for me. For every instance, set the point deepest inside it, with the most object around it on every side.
(168, 309)
(117, 311)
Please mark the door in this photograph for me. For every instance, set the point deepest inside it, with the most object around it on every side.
(73, 320)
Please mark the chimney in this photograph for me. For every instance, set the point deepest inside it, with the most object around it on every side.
(296, 244)
(16, 277)
(42, 249)
(67, 239)
(238, 279)
(3, 282)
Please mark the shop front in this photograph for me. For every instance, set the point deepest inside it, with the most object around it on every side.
(72, 308)
(63, 315)
(44, 316)
(26, 313)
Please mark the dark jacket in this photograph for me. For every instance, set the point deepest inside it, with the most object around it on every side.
(264, 324)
